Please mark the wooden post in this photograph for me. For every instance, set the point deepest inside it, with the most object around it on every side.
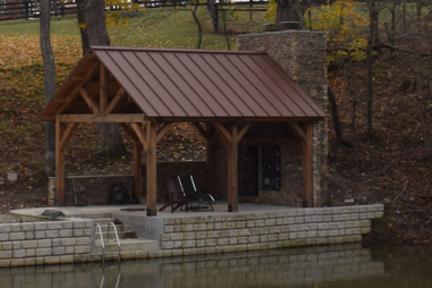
(59, 159)
(137, 173)
(210, 165)
(103, 101)
(233, 171)
(308, 166)
(151, 180)
(231, 139)
(207, 132)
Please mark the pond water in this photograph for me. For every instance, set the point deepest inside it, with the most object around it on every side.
(348, 266)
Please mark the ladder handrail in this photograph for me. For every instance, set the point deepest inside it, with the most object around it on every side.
(99, 230)
(115, 234)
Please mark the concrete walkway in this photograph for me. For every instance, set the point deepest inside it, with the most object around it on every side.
(106, 211)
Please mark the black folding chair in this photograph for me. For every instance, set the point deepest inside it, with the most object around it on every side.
(195, 200)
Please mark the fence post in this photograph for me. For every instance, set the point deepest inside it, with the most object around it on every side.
(26, 9)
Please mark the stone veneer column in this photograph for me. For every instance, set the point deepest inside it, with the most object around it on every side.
(301, 54)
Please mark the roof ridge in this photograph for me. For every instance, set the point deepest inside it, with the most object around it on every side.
(149, 49)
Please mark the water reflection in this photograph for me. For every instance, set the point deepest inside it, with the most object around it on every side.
(339, 266)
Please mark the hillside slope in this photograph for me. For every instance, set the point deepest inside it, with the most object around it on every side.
(394, 168)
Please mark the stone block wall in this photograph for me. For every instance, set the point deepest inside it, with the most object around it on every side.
(301, 54)
(291, 193)
(51, 242)
(242, 231)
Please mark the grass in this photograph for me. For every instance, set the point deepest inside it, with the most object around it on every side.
(59, 26)
(167, 27)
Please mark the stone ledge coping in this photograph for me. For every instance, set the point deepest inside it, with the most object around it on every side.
(48, 225)
(375, 210)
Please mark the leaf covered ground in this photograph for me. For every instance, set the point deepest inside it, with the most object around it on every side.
(394, 168)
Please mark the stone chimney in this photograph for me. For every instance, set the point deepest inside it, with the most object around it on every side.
(301, 53)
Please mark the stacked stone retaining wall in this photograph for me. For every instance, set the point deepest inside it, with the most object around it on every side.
(205, 233)
(51, 242)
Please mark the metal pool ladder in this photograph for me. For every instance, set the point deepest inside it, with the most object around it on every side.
(97, 228)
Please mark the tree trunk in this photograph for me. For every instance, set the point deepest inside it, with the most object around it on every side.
(95, 22)
(374, 22)
(373, 40)
(393, 16)
(335, 115)
(227, 39)
(85, 41)
(49, 81)
(404, 16)
(352, 96)
(419, 11)
(110, 140)
(370, 89)
(194, 12)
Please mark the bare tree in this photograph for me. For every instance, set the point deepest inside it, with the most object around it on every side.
(374, 12)
(335, 115)
(110, 140)
(404, 16)
(373, 40)
(94, 15)
(194, 11)
(49, 81)
(85, 41)
(225, 31)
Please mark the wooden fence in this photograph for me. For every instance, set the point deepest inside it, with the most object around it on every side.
(29, 9)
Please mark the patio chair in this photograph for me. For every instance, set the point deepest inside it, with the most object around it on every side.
(195, 200)
(176, 198)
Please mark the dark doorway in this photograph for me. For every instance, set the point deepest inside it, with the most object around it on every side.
(248, 170)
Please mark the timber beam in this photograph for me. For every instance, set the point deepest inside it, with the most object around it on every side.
(59, 163)
(102, 118)
(298, 130)
(113, 104)
(89, 100)
(208, 133)
(140, 134)
(148, 134)
(76, 91)
(231, 137)
(308, 166)
(103, 97)
(67, 134)
(151, 170)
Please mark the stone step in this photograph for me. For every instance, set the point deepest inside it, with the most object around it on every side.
(122, 232)
(119, 228)
(103, 221)
(138, 245)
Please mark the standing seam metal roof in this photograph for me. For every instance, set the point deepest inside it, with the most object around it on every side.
(206, 84)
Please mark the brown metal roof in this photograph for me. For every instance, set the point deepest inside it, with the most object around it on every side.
(206, 84)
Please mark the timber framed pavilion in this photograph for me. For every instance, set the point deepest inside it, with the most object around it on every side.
(146, 91)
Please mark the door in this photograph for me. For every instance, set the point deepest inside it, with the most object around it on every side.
(248, 170)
